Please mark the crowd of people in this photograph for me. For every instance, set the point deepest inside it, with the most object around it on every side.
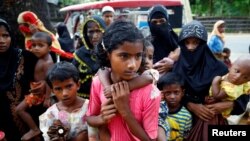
(117, 84)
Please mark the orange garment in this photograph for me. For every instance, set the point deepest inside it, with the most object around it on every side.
(33, 100)
(31, 19)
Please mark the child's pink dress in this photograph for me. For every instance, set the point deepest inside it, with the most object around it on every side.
(144, 104)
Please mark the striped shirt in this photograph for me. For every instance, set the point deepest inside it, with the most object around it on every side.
(184, 118)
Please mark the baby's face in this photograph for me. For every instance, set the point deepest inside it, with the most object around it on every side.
(239, 73)
(191, 43)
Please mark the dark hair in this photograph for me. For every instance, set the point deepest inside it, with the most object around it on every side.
(148, 42)
(116, 34)
(226, 50)
(62, 71)
(43, 35)
(169, 79)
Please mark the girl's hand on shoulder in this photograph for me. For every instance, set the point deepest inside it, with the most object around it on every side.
(120, 93)
(108, 110)
(107, 92)
(201, 111)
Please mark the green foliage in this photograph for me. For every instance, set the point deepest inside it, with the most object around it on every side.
(227, 8)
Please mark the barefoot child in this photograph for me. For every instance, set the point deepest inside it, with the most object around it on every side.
(128, 115)
(41, 43)
(63, 120)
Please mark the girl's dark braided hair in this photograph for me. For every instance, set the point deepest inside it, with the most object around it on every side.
(116, 34)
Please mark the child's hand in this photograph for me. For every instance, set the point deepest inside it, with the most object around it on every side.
(38, 88)
(120, 93)
(107, 92)
(163, 65)
(201, 111)
(108, 110)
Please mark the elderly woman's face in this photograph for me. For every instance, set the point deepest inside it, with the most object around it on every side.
(5, 39)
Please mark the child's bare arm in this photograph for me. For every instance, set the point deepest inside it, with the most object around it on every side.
(217, 92)
(103, 75)
(107, 112)
(47, 102)
(104, 133)
(146, 78)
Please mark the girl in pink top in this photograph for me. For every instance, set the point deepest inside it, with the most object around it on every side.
(129, 116)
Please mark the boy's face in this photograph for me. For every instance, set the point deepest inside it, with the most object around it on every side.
(108, 17)
(94, 33)
(65, 91)
(191, 43)
(239, 73)
(172, 95)
(39, 47)
(149, 58)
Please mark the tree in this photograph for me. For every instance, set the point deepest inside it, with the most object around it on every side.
(10, 9)
(226, 8)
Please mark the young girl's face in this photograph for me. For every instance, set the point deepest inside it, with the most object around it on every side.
(191, 43)
(172, 95)
(65, 91)
(5, 39)
(94, 33)
(149, 57)
(126, 60)
(239, 73)
(39, 47)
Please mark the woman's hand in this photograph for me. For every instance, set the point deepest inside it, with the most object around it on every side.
(120, 93)
(164, 65)
(201, 111)
(219, 107)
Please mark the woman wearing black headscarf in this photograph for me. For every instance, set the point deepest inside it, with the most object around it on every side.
(84, 57)
(198, 66)
(16, 67)
(164, 38)
(66, 42)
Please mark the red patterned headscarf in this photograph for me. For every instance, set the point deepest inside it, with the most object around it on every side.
(27, 19)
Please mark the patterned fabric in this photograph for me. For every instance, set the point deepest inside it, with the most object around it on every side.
(85, 59)
(34, 100)
(163, 113)
(144, 104)
(176, 124)
(233, 92)
(30, 18)
(184, 120)
(199, 67)
(71, 120)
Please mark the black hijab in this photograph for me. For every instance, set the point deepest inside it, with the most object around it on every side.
(199, 67)
(66, 42)
(164, 38)
(8, 62)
